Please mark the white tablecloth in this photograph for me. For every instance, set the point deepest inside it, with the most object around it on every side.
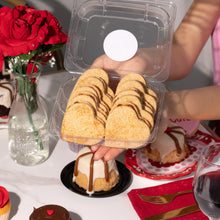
(40, 185)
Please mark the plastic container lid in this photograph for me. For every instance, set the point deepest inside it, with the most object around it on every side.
(144, 25)
(118, 29)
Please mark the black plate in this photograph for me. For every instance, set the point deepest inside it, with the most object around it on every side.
(124, 181)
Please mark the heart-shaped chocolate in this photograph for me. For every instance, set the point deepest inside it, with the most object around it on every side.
(50, 212)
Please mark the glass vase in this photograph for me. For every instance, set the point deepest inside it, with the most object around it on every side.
(28, 122)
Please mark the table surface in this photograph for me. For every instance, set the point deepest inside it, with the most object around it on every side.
(39, 185)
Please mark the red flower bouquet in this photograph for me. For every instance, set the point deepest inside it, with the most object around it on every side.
(28, 38)
(28, 35)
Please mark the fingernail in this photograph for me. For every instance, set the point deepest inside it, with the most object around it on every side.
(95, 158)
(105, 159)
(93, 149)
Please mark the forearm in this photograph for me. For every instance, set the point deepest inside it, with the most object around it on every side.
(191, 36)
(199, 104)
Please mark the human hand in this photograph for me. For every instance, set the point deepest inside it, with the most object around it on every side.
(108, 153)
(141, 63)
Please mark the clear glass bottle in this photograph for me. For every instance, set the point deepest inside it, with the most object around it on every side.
(28, 122)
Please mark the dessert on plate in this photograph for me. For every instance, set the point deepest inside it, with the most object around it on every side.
(5, 204)
(52, 212)
(94, 175)
(169, 147)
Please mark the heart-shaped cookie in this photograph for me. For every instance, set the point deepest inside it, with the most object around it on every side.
(125, 125)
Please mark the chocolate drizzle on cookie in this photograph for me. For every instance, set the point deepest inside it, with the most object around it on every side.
(137, 111)
(98, 102)
(105, 86)
(142, 97)
(93, 109)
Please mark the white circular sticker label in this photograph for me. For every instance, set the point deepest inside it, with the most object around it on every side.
(120, 45)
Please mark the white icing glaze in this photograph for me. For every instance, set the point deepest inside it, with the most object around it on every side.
(98, 167)
(165, 144)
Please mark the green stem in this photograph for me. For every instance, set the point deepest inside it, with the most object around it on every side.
(26, 88)
(36, 134)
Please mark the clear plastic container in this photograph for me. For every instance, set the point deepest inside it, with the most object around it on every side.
(151, 22)
(61, 103)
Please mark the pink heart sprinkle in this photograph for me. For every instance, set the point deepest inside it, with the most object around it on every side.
(50, 211)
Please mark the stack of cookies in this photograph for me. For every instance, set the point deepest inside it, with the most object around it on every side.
(94, 112)
(88, 108)
(131, 118)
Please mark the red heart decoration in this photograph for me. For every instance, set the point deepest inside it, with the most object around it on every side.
(50, 211)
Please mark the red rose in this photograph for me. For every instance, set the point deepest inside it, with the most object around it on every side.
(23, 29)
(55, 34)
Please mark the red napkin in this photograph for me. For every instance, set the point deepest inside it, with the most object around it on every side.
(145, 209)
